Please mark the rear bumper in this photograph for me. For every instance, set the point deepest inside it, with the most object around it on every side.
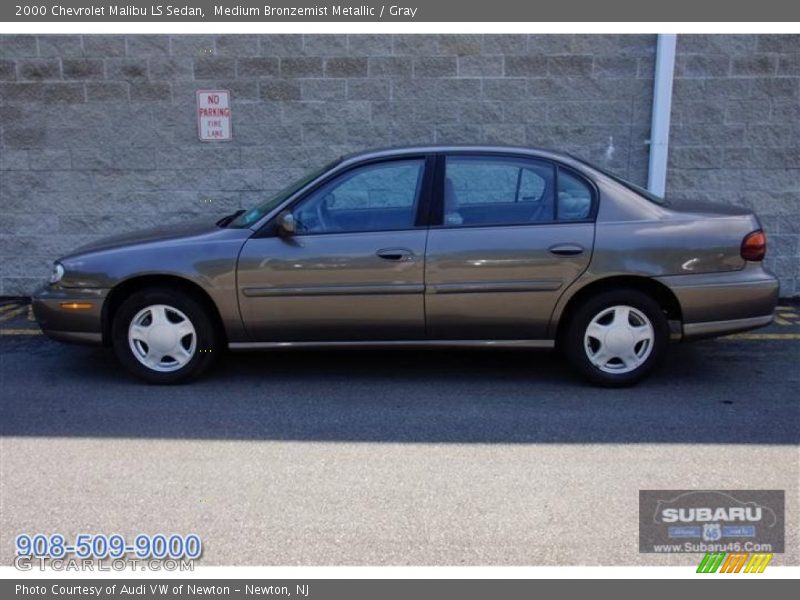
(714, 304)
(698, 331)
(81, 326)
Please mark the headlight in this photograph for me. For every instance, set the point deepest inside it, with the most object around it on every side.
(57, 273)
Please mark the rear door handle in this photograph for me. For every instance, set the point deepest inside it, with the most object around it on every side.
(566, 249)
(395, 254)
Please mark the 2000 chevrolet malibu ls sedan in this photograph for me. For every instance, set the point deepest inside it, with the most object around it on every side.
(461, 246)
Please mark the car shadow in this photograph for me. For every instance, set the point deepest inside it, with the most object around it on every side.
(712, 392)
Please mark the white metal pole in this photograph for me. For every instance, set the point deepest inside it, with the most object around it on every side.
(662, 107)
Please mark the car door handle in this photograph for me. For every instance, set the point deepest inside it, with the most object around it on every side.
(566, 249)
(396, 254)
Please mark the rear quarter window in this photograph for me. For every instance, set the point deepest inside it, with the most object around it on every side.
(574, 197)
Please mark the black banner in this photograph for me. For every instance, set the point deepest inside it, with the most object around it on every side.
(386, 589)
(404, 10)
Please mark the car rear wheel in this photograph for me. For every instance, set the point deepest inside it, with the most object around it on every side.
(617, 338)
(163, 336)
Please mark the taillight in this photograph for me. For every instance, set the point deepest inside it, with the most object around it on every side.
(754, 246)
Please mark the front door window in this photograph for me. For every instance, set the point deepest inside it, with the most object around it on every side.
(376, 197)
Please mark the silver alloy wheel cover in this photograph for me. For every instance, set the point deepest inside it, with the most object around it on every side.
(619, 339)
(162, 338)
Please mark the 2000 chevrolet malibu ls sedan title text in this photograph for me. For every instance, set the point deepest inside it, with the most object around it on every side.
(440, 245)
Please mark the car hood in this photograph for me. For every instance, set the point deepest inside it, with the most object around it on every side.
(192, 228)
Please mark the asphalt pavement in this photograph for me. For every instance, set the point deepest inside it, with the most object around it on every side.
(390, 457)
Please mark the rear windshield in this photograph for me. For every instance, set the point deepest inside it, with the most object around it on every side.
(647, 194)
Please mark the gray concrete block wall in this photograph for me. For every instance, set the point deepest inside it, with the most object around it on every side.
(99, 133)
(735, 134)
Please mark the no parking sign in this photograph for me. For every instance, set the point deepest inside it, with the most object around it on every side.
(214, 115)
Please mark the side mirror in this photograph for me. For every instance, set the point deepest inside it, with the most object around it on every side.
(286, 223)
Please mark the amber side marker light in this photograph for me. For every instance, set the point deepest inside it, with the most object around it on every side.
(754, 246)
(77, 305)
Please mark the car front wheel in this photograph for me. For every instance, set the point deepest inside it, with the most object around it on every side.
(163, 336)
(617, 337)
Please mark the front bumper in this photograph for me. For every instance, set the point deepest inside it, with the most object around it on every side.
(714, 304)
(51, 309)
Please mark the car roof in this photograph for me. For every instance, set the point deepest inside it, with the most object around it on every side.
(438, 148)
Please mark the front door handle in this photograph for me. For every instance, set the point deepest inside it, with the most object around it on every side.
(566, 249)
(395, 254)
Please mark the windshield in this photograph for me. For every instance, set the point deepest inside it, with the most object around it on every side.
(631, 186)
(256, 213)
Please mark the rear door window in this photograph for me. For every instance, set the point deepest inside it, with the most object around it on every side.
(489, 190)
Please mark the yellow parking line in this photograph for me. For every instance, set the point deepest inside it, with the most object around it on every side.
(8, 307)
(20, 332)
(781, 321)
(13, 313)
(762, 336)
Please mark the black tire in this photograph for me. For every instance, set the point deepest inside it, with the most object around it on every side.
(205, 346)
(573, 346)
